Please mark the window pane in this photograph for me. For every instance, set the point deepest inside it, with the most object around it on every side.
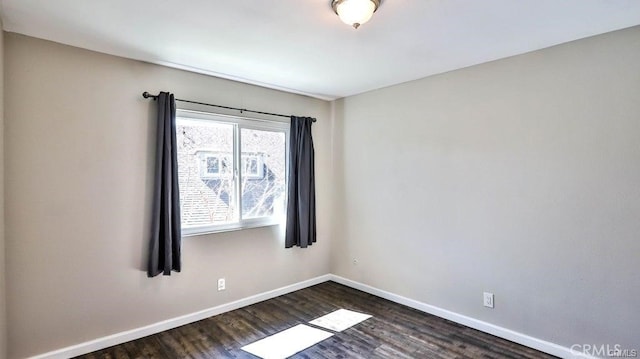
(205, 172)
(213, 165)
(263, 172)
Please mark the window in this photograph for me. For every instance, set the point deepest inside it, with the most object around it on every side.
(212, 166)
(231, 172)
(215, 165)
(252, 165)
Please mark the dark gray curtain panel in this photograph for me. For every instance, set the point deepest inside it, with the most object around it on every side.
(301, 206)
(164, 248)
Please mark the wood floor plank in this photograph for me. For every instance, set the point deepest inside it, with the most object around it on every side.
(394, 332)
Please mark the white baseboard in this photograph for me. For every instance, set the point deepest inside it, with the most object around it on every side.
(123, 337)
(531, 342)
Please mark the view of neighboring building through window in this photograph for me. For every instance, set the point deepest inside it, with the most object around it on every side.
(253, 165)
(215, 164)
(231, 171)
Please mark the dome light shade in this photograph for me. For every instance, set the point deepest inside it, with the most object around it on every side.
(355, 12)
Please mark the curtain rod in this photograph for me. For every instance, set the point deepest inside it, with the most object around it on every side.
(148, 95)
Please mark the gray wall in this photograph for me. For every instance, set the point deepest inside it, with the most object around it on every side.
(520, 177)
(78, 143)
(3, 298)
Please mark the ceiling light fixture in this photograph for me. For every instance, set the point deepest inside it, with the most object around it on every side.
(355, 12)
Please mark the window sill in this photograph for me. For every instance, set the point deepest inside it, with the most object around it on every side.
(193, 232)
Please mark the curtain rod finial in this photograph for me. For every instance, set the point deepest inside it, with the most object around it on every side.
(147, 95)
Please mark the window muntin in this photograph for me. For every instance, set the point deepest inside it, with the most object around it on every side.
(232, 172)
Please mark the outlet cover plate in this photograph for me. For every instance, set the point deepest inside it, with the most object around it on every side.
(488, 300)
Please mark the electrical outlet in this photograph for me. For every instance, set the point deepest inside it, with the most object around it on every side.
(488, 300)
(222, 284)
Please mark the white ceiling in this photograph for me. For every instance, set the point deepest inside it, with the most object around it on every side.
(301, 46)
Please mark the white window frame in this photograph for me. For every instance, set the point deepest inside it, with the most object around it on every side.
(239, 123)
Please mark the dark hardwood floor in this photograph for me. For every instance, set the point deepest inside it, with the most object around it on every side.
(395, 331)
